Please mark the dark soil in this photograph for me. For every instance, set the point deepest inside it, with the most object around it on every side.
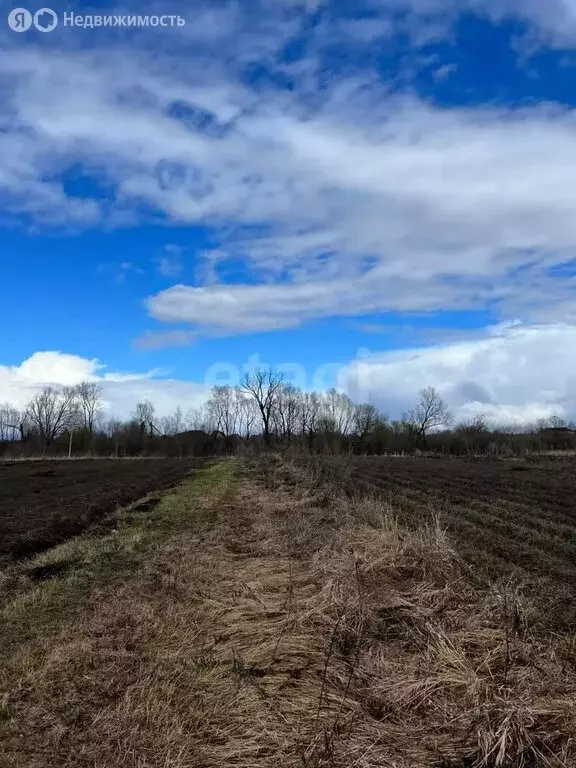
(45, 502)
(503, 514)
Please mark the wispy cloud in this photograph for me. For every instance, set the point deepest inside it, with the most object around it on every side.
(126, 268)
(170, 263)
(120, 272)
(152, 340)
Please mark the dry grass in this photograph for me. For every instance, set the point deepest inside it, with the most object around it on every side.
(485, 505)
(270, 624)
(476, 674)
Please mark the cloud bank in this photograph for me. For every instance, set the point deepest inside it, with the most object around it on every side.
(120, 390)
(516, 374)
(513, 374)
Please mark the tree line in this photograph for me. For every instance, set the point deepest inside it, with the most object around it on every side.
(263, 411)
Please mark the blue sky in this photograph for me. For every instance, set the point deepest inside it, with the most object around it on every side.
(385, 189)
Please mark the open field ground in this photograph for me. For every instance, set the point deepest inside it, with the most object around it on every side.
(258, 617)
(503, 514)
(45, 502)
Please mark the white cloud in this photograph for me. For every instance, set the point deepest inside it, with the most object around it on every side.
(370, 201)
(120, 391)
(239, 309)
(515, 373)
(553, 21)
(49, 368)
(339, 198)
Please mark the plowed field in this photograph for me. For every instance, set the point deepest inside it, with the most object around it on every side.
(503, 514)
(45, 502)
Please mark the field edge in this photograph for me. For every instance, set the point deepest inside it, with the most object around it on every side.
(103, 558)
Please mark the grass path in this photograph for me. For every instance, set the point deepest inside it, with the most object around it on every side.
(172, 642)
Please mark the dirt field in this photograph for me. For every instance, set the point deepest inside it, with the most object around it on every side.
(503, 514)
(45, 502)
(253, 619)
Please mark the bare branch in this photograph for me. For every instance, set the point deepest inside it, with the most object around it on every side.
(264, 385)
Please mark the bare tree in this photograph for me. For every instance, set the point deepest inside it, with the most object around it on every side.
(338, 412)
(311, 407)
(263, 386)
(144, 415)
(112, 426)
(366, 418)
(430, 413)
(475, 426)
(288, 410)
(90, 403)
(247, 413)
(178, 421)
(52, 412)
(223, 410)
(173, 424)
(196, 419)
(115, 429)
(557, 422)
(12, 422)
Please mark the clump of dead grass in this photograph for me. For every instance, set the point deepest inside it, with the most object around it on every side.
(444, 672)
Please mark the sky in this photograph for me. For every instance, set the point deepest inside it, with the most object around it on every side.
(378, 196)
